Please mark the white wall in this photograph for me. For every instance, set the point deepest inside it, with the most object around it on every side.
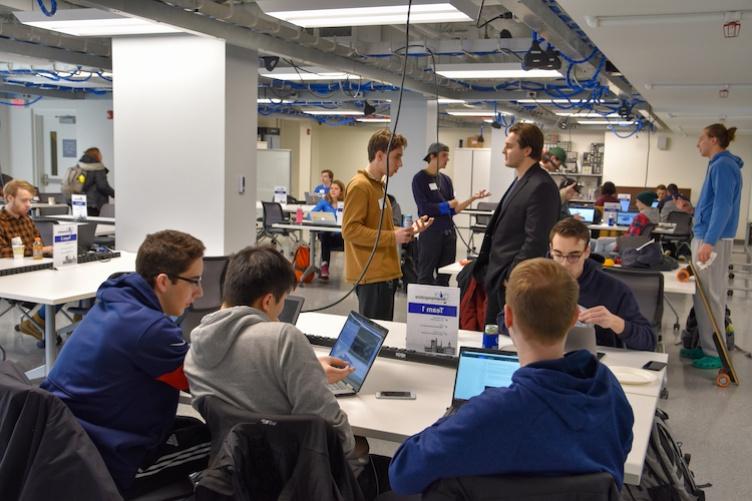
(92, 129)
(626, 163)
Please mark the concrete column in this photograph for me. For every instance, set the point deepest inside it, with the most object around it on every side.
(184, 136)
(417, 122)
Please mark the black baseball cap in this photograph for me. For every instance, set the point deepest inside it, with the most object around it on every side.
(435, 149)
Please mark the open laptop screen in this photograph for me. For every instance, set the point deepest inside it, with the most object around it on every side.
(358, 344)
(586, 213)
(625, 218)
(479, 369)
(291, 310)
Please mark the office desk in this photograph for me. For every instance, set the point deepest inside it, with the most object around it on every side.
(313, 229)
(291, 208)
(396, 420)
(90, 219)
(64, 285)
(607, 227)
(477, 212)
(671, 284)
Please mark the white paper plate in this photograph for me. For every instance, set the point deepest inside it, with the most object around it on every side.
(630, 375)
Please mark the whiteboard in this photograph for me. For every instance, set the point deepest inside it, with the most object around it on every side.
(273, 168)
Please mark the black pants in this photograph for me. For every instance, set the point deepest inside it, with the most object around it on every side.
(329, 240)
(435, 249)
(376, 300)
(496, 301)
(92, 211)
(185, 451)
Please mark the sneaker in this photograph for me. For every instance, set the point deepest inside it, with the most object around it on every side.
(707, 362)
(692, 353)
(324, 272)
(31, 328)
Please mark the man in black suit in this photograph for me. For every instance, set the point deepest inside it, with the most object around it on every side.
(521, 222)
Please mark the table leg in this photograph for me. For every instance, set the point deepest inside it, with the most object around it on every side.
(50, 345)
(312, 244)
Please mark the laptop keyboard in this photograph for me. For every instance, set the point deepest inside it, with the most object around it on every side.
(339, 386)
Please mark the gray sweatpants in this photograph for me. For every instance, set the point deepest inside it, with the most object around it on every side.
(715, 280)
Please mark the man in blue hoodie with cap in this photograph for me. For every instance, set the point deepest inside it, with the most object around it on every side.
(568, 412)
(716, 220)
(122, 370)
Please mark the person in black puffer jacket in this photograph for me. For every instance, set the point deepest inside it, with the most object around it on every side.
(98, 191)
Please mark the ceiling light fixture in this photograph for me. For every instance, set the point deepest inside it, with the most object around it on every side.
(266, 100)
(446, 100)
(334, 112)
(375, 120)
(477, 113)
(94, 23)
(496, 71)
(565, 101)
(306, 74)
(583, 115)
(642, 19)
(332, 13)
(604, 122)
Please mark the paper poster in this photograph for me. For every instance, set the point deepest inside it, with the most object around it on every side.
(64, 244)
(432, 318)
(280, 194)
(78, 202)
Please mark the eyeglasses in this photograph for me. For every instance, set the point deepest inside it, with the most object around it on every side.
(569, 258)
(194, 281)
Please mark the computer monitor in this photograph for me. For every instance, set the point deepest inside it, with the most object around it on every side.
(358, 344)
(625, 218)
(479, 369)
(611, 207)
(587, 214)
(655, 204)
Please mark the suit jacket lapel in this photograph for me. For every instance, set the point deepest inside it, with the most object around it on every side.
(520, 185)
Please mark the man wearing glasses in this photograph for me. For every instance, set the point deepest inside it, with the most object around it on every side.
(121, 371)
(605, 302)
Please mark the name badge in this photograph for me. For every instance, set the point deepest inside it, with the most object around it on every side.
(380, 202)
(433, 186)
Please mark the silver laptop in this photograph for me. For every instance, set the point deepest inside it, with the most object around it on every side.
(581, 337)
(358, 344)
(479, 369)
(292, 309)
(323, 218)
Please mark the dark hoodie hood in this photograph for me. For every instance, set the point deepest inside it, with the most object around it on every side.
(216, 334)
(575, 388)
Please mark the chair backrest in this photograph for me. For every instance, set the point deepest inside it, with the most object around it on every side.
(45, 231)
(107, 210)
(273, 446)
(52, 211)
(273, 214)
(590, 487)
(484, 220)
(43, 448)
(647, 286)
(648, 229)
(59, 197)
(212, 281)
(683, 223)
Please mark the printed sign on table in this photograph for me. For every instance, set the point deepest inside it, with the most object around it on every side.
(64, 244)
(78, 202)
(432, 318)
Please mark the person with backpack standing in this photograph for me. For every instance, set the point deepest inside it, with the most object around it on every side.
(94, 184)
(716, 220)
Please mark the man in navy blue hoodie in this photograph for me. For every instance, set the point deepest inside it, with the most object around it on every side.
(568, 412)
(122, 370)
(609, 304)
(716, 220)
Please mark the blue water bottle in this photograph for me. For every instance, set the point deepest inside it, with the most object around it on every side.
(491, 337)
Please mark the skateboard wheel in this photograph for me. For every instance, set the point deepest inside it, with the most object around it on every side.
(722, 380)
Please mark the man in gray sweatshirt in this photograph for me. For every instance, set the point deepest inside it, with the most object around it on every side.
(244, 356)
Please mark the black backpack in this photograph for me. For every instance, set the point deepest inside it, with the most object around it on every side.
(690, 336)
(665, 475)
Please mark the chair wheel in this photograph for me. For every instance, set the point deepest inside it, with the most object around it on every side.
(722, 380)
(664, 394)
(731, 276)
(17, 328)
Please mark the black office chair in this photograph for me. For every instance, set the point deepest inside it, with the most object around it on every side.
(260, 454)
(274, 214)
(107, 210)
(59, 198)
(589, 487)
(212, 281)
(481, 223)
(647, 286)
(678, 243)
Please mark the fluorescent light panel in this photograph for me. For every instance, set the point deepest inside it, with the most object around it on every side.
(334, 112)
(306, 74)
(266, 100)
(330, 14)
(376, 120)
(587, 115)
(446, 100)
(562, 101)
(94, 23)
(471, 71)
(477, 113)
(603, 122)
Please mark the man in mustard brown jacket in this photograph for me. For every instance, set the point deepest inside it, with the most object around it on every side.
(360, 227)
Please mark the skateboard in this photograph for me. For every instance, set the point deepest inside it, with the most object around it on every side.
(727, 373)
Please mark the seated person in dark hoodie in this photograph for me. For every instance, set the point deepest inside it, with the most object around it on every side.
(122, 370)
(243, 355)
(609, 303)
(568, 412)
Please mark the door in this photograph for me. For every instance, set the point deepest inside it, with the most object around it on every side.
(55, 147)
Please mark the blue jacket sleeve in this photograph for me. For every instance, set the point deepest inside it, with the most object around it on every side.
(638, 333)
(324, 206)
(440, 451)
(427, 207)
(160, 349)
(723, 199)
